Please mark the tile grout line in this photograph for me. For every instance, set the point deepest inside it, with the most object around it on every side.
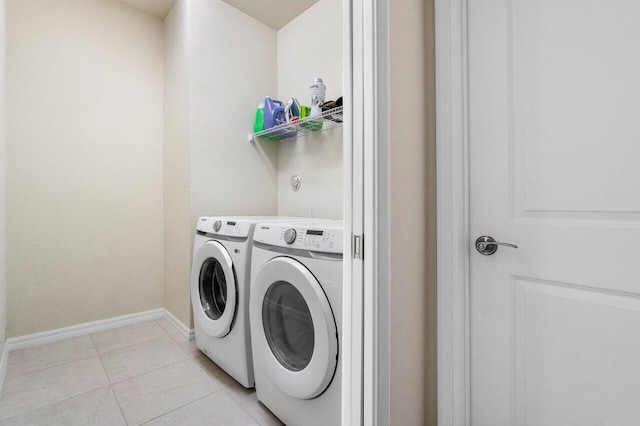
(148, 372)
(115, 396)
(182, 406)
(222, 385)
(177, 332)
(53, 366)
(245, 410)
(242, 406)
(134, 344)
(250, 415)
(222, 388)
(180, 346)
(190, 358)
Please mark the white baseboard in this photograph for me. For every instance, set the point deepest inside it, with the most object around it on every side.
(188, 333)
(52, 336)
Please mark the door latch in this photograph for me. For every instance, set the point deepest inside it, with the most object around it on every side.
(358, 247)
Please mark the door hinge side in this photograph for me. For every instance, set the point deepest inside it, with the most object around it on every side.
(358, 247)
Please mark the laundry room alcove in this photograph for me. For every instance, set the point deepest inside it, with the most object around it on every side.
(220, 63)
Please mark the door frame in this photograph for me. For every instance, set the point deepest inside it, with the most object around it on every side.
(365, 337)
(366, 351)
(453, 249)
(366, 308)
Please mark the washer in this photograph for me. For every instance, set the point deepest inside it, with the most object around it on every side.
(220, 275)
(296, 318)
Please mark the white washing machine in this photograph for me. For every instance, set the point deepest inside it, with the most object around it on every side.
(296, 318)
(220, 276)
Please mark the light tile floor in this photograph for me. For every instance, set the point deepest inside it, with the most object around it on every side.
(146, 373)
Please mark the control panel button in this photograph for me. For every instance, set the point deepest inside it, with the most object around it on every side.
(217, 225)
(290, 236)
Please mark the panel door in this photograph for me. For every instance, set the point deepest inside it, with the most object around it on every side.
(554, 158)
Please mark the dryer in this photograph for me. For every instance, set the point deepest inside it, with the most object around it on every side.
(296, 318)
(220, 275)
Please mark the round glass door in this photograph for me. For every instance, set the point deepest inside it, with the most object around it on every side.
(288, 326)
(293, 330)
(213, 288)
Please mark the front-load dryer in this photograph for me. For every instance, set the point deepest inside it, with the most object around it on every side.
(220, 275)
(296, 318)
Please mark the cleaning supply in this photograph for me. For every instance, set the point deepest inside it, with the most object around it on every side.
(292, 110)
(274, 115)
(258, 125)
(318, 91)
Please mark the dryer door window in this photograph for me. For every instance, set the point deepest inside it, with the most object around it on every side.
(213, 288)
(288, 326)
(293, 330)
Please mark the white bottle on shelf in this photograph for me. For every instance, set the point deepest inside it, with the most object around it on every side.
(318, 91)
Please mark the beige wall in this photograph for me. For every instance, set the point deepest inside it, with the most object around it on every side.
(3, 188)
(177, 224)
(317, 158)
(413, 307)
(220, 63)
(85, 120)
(232, 66)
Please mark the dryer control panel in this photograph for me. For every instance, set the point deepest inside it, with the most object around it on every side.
(322, 237)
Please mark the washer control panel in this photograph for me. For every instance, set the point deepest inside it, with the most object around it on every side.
(226, 227)
(323, 237)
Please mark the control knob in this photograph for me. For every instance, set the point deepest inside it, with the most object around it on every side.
(290, 236)
(217, 225)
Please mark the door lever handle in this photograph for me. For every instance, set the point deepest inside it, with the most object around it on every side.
(486, 245)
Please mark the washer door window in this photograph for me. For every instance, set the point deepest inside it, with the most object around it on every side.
(288, 326)
(213, 289)
(294, 328)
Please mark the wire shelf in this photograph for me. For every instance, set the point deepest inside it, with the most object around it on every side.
(329, 119)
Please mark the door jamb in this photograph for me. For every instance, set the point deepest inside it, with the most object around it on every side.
(365, 347)
(377, 218)
(452, 188)
(352, 320)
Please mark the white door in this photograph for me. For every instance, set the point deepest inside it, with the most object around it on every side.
(554, 157)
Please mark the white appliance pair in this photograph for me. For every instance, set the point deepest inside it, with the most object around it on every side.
(220, 275)
(284, 278)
